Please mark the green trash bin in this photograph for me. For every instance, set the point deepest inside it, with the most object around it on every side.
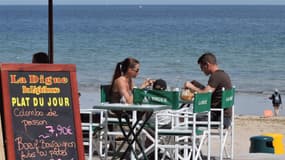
(261, 144)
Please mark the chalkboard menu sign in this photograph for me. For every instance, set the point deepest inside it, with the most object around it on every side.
(41, 112)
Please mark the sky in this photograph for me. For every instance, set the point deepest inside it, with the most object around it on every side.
(43, 2)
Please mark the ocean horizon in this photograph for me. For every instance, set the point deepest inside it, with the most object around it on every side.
(248, 40)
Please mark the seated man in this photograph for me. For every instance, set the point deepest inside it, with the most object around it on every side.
(218, 79)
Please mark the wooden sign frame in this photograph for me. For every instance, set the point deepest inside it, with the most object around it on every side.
(9, 133)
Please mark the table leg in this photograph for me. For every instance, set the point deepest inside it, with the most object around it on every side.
(132, 133)
(147, 116)
(120, 116)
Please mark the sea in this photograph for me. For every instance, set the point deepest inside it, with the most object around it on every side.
(248, 41)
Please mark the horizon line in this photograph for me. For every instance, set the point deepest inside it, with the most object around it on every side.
(145, 4)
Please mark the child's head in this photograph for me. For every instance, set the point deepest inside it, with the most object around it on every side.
(159, 84)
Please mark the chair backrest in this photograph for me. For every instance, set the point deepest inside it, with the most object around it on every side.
(228, 97)
(105, 93)
(143, 96)
(202, 102)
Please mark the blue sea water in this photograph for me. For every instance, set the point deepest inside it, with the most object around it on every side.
(249, 41)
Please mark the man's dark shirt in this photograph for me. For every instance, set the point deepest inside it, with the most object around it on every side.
(218, 80)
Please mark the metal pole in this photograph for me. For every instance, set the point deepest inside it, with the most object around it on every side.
(50, 31)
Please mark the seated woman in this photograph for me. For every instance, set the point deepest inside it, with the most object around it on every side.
(122, 86)
(122, 82)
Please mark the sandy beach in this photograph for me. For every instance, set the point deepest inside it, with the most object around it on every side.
(248, 126)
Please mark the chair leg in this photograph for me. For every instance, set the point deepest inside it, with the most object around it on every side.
(229, 134)
(199, 148)
(225, 144)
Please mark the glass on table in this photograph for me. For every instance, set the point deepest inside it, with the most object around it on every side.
(174, 89)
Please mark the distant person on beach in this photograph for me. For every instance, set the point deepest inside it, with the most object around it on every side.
(40, 57)
(217, 80)
(122, 82)
(276, 101)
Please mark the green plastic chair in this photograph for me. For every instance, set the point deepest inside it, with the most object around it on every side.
(105, 93)
(94, 126)
(144, 96)
(228, 98)
(160, 97)
(188, 131)
(92, 130)
(111, 120)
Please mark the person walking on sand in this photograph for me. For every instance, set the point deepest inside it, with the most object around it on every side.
(276, 101)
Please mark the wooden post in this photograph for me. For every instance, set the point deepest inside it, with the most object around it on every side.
(50, 31)
(2, 148)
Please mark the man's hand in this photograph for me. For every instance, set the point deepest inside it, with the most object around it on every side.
(188, 85)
